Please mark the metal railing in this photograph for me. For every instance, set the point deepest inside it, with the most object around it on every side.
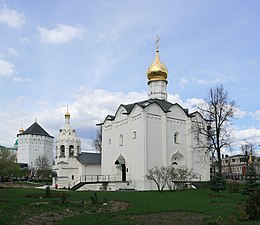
(97, 179)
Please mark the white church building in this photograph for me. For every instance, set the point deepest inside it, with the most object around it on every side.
(140, 136)
(73, 167)
(149, 133)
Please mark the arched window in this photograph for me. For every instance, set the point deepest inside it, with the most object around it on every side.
(78, 151)
(176, 138)
(71, 150)
(121, 140)
(62, 151)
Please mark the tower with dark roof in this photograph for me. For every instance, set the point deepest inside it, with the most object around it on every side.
(32, 143)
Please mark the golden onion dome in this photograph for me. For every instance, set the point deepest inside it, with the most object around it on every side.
(21, 130)
(157, 70)
(67, 115)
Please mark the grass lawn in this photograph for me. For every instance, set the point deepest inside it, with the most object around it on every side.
(29, 206)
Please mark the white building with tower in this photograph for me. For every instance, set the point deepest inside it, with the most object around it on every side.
(71, 165)
(149, 133)
(32, 143)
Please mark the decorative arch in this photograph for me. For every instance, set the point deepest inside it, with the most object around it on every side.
(120, 163)
(177, 158)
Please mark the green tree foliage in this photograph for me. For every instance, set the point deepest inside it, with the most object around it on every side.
(217, 183)
(251, 178)
(251, 208)
(8, 165)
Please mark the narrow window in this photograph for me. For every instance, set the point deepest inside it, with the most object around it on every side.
(176, 138)
(62, 150)
(134, 135)
(121, 140)
(109, 141)
(71, 150)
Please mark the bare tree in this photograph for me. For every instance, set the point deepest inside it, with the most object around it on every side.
(43, 167)
(159, 176)
(212, 132)
(168, 175)
(97, 141)
(172, 177)
(42, 163)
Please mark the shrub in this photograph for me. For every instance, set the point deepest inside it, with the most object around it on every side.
(47, 192)
(251, 208)
(94, 199)
(233, 186)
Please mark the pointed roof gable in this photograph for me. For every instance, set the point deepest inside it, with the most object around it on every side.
(35, 129)
(163, 104)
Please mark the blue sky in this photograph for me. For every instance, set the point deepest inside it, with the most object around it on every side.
(93, 55)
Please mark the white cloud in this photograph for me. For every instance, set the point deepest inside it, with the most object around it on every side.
(257, 114)
(11, 52)
(20, 79)
(210, 77)
(60, 34)
(240, 114)
(251, 134)
(11, 17)
(183, 82)
(88, 108)
(6, 68)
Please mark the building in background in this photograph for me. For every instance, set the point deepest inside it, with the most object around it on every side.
(235, 167)
(34, 142)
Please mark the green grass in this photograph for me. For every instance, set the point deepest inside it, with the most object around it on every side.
(17, 204)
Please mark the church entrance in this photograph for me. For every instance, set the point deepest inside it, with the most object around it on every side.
(120, 164)
(123, 172)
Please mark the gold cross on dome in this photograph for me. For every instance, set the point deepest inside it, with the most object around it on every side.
(157, 43)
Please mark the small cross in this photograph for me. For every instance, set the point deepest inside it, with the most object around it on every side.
(157, 42)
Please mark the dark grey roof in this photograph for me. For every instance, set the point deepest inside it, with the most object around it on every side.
(163, 104)
(89, 158)
(35, 129)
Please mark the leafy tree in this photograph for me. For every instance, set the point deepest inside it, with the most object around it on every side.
(212, 132)
(97, 141)
(8, 165)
